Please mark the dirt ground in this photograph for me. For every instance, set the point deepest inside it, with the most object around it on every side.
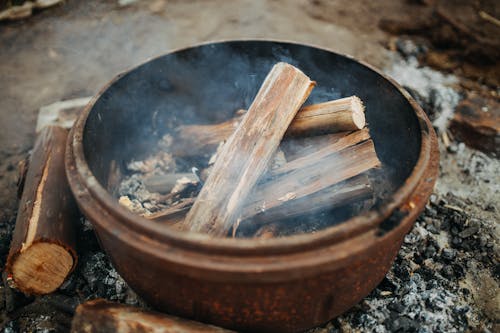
(73, 49)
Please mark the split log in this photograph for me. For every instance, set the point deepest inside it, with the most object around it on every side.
(346, 114)
(350, 191)
(166, 183)
(311, 178)
(296, 147)
(248, 150)
(106, 317)
(308, 187)
(305, 158)
(42, 251)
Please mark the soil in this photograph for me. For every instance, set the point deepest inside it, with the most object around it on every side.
(446, 276)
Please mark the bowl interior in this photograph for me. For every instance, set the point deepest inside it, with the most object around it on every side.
(206, 84)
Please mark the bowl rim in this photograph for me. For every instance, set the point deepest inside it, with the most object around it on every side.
(86, 187)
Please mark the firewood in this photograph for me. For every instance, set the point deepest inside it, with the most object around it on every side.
(312, 177)
(106, 317)
(248, 150)
(166, 183)
(42, 251)
(301, 146)
(346, 114)
(350, 191)
(309, 186)
(305, 158)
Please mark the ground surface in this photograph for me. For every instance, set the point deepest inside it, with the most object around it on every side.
(445, 277)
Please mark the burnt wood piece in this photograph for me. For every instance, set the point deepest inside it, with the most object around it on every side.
(42, 251)
(247, 152)
(345, 114)
(310, 187)
(477, 123)
(100, 316)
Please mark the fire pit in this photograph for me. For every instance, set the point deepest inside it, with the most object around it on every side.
(278, 284)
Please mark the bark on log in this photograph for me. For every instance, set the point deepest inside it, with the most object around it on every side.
(248, 150)
(42, 251)
(346, 114)
(100, 316)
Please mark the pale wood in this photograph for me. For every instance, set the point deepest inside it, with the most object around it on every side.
(350, 191)
(42, 251)
(346, 114)
(305, 158)
(166, 183)
(56, 263)
(307, 187)
(100, 316)
(312, 177)
(248, 150)
(300, 146)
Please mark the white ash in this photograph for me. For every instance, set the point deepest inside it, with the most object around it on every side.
(433, 86)
(162, 162)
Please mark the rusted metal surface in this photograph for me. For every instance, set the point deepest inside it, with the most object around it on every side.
(265, 285)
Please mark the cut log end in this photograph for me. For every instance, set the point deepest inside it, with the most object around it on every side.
(41, 268)
(358, 119)
(357, 105)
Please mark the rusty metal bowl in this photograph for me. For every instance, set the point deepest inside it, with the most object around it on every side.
(274, 285)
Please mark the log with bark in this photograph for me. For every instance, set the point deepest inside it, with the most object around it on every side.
(42, 251)
(247, 152)
(345, 114)
(100, 316)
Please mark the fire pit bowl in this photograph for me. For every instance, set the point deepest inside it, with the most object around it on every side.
(284, 284)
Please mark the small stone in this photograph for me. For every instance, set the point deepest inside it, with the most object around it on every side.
(456, 241)
(396, 307)
(452, 149)
(430, 251)
(449, 254)
(447, 272)
(432, 229)
(404, 324)
(469, 232)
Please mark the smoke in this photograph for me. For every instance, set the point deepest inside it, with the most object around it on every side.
(209, 83)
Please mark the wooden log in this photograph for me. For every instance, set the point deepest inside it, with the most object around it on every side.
(248, 150)
(301, 146)
(166, 183)
(100, 316)
(350, 191)
(305, 158)
(42, 251)
(310, 178)
(346, 114)
(308, 187)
